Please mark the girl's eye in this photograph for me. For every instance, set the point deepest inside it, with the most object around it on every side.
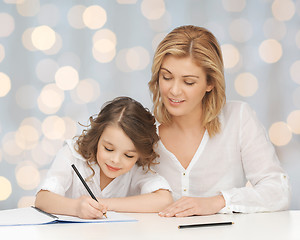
(108, 149)
(129, 156)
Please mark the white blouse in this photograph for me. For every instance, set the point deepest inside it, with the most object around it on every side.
(61, 178)
(223, 164)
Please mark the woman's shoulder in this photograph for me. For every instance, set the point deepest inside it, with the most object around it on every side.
(235, 108)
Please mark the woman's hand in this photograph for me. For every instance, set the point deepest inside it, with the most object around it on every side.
(88, 208)
(189, 206)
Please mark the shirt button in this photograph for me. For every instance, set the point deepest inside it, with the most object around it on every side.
(184, 190)
(183, 174)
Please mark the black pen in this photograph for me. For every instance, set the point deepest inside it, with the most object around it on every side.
(85, 185)
(205, 225)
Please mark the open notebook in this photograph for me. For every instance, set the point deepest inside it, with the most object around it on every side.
(35, 216)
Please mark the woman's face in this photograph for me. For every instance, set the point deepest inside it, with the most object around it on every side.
(182, 85)
(116, 154)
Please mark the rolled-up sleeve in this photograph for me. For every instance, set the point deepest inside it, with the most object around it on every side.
(59, 176)
(270, 189)
(146, 182)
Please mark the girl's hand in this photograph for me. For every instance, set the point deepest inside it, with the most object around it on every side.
(88, 208)
(189, 206)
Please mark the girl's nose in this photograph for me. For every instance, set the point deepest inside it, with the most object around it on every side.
(115, 158)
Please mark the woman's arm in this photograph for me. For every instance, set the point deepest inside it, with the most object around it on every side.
(189, 206)
(83, 207)
(149, 202)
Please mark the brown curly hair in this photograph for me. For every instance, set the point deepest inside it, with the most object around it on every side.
(137, 123)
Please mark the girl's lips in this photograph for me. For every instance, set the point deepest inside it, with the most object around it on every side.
(110, 168)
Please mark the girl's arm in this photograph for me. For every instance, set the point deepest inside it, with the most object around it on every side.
(83, 207)
(149, 202)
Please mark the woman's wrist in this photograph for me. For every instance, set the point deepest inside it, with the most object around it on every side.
(220, 203)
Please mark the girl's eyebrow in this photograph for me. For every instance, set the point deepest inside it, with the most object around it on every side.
(185, 76)
(107, 142)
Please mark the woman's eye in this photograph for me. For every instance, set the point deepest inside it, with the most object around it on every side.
(166, 78)
(190, 83)
(107, 149)
(129, 156)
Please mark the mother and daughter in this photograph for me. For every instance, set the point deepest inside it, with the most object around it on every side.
(194, 158)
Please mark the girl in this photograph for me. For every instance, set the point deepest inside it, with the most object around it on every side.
(115, 154)
(209, 149)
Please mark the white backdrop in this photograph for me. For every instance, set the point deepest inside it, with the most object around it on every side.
(61, 60)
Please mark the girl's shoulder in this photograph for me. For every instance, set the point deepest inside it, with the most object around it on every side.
(70, 147)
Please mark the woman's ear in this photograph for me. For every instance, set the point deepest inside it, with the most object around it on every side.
(209, 87)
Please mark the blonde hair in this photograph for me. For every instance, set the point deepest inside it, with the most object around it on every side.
(202, 46)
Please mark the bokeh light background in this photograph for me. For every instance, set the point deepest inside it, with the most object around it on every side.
(61, 60)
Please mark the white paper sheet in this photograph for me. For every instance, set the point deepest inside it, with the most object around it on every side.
(31, 216)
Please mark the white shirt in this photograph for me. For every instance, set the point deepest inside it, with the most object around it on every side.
(61, 178)
(224, 163)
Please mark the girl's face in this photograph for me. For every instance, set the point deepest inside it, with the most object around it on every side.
(182, 85)
(116, 154)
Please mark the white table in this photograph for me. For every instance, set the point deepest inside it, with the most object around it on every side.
(276, 226)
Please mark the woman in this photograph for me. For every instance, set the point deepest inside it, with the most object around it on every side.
(209, 149)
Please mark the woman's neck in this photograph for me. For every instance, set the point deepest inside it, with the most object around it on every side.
(187, 123)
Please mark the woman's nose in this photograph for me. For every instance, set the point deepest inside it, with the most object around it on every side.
(175, 88)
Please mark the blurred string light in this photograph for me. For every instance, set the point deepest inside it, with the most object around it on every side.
(43, 37)
(7, 24)
(73, 16)
(234, 5)
(270, 51)
(94, 17)
(240, 30)
(280, 133)
(231, 55)
(283, 10)
(246, 84)
(153, 9)
(132, 59)
(126, 1)
(274, 29)
(28, 8)
(293, 120)
(5, 84)
(5, 187)
(50, 99)
(2, 53)
(295, 72)
(27, 175)
(104, 45)
(66, 78)
(87, 90)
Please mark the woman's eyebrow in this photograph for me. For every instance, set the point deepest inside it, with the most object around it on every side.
(194, 76)
(162, 68)
(189, 75)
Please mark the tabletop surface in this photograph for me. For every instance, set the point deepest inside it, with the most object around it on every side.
(283, 225)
